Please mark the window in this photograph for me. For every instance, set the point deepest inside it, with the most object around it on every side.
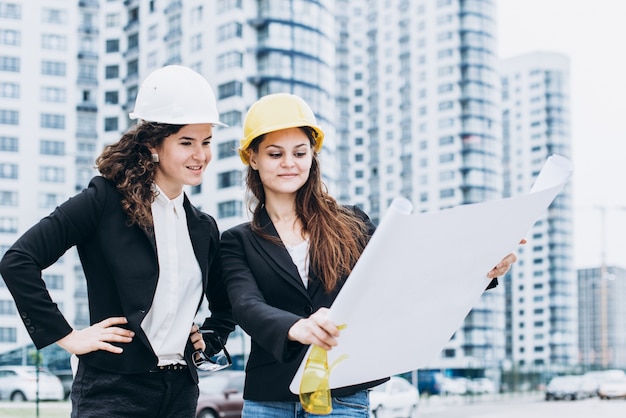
(52, 121)
(8, 198)
(228, 179)
(110, 124)
(54, 68)
(446, 193)
(230, 89)
(443, 88)
(232, 59)
(10, 37)
(112, 20)
(53, 42)
(10, 64)
(229, 209)
(8, 224)
(225, 5)
(49, 174)
(9, 90)
(196, 14)
(54, 16)
(53, 281)
(227, 149)
(133, 41)
(132, 68)
(8, 334)
(229, 31)
(49, 200)
(232, 118)
(9, 143)
(111, 71)
(9, 117)
(196, 42)
(52, 94)
(153, 32)
(111, 97)
(7, 307)
(10, 10)
(47, 147)
(112, 45)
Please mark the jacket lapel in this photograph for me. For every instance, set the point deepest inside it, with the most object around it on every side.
(277, 255)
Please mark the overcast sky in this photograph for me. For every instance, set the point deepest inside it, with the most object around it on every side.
(593, 34)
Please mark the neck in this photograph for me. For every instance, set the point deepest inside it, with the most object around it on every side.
(281, 213)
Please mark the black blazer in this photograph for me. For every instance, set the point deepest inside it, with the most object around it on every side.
(268, 297)
(121, 268)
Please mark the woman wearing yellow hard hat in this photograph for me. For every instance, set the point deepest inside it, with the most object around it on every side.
(149, 258)
(284, 269)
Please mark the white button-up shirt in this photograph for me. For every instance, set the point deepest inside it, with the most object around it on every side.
(179, 289)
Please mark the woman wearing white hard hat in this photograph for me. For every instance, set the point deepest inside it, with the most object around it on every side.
(149, 259)
(284, 269)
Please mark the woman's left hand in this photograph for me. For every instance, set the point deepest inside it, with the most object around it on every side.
(196, 338)
(503, 266)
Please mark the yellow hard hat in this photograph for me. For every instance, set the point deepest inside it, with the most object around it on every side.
(273, 113)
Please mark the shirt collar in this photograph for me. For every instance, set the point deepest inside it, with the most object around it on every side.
(164, 201)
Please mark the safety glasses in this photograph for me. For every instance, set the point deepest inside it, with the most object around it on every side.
(314, 387)
(217, 361)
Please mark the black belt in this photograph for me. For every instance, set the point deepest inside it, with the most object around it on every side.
(170, 368)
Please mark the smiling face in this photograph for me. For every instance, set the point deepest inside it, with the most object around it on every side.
(183, 156)
(283, 160)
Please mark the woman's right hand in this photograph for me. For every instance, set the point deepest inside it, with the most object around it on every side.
(316, 329)
(99, 336)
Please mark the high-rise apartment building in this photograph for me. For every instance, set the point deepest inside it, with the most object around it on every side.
(541, 292)
(40, 113)
(602, 317)
(421, 119)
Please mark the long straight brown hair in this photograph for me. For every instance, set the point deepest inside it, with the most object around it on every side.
(336, 235)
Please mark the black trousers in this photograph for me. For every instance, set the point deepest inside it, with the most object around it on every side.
(162, 394)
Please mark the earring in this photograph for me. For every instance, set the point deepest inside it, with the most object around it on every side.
(155, 158)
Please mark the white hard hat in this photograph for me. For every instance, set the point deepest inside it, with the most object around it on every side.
(176, 95)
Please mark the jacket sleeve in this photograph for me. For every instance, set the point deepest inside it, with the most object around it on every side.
(266, 324)
(38, 248)
(221, 319)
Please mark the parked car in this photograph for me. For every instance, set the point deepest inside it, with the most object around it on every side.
(613, 389)
(571, 387)
(221, 394)
(481, 385)
(394, 398)
(21, 383)
(598, 377)
(454, 385)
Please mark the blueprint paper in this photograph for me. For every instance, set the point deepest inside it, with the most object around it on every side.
(420, 275)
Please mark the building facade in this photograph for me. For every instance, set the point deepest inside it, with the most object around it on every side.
(602, 317)
(541, 292)
(40, 110)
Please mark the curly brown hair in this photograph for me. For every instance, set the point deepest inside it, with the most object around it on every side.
(337, 236)
(128, 163)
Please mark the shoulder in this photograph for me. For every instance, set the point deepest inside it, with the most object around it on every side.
(242, 229)
(357, 212)
(93, 198)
